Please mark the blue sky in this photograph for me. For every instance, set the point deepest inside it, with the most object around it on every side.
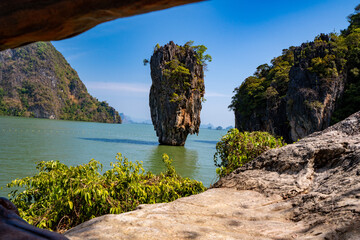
(239, 34)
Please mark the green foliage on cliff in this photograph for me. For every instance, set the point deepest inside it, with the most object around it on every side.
(329, 57)
(267, 82)
(37, 81)
(60, 197)
(178, 74)
(199, 50)
(237, 148)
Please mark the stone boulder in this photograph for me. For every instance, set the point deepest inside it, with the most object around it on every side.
(27, 21)
(13, 227)
(176, 93)
(306, 190)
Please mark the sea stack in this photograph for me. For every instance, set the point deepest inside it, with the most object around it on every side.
(176, 93)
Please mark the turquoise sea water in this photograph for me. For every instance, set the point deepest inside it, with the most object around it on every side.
(25, 141)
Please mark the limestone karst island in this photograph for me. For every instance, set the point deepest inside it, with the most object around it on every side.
(206, 120)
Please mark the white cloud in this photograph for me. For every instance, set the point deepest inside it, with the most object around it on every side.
(115, 86)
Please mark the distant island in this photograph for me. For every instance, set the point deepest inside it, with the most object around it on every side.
(37, 81)
(126, 119)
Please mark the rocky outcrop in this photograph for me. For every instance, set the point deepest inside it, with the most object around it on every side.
(176, 93)
(298, 94)
(306, 190)
(36, 81)
(318, 176)
(23, 22)
(311, 97)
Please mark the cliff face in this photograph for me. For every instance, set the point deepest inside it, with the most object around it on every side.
(36, 81)
(302, 90)
(176, 93)
(312, 95)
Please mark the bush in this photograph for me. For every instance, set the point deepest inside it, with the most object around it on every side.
(235, 149)
(60, 197)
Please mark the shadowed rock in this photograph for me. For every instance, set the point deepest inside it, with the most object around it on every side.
(27, 21)
(14, 227)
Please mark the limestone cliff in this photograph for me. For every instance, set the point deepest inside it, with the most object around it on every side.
(36, 81)
(312, 95)
(304, 90)
(176, 93)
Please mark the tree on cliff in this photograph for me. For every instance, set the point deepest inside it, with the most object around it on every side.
(177, 90)
(304, 90)
(37, 81)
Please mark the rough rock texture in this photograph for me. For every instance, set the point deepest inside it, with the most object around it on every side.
(319, 175)
(214, 214)
(306, 190)
(176, 93)
(37, 81)
(299, 101)
(311, 98)
(27, 21)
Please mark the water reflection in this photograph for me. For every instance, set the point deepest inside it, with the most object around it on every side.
(185, 160)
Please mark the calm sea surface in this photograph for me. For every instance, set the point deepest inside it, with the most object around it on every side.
(25, 141)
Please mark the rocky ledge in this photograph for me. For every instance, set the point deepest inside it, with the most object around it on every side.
(306, 190)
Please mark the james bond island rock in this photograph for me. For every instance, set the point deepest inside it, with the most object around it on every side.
(14, 227)
(27, 21)
(177, 91)
(304, 90)
(306, 190)
(37, 81)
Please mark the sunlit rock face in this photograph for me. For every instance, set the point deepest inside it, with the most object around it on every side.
(176, 93)
(27, 21)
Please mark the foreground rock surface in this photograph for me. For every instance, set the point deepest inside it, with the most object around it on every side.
(306, 190)
(176, 93)
(214, 214)
(27, 21)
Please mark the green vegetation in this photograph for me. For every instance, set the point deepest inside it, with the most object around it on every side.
(199, 51)
(60, 197)
(237, 148)
(331, 57)
(37, 81)
(178, 75)
(267, 82)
